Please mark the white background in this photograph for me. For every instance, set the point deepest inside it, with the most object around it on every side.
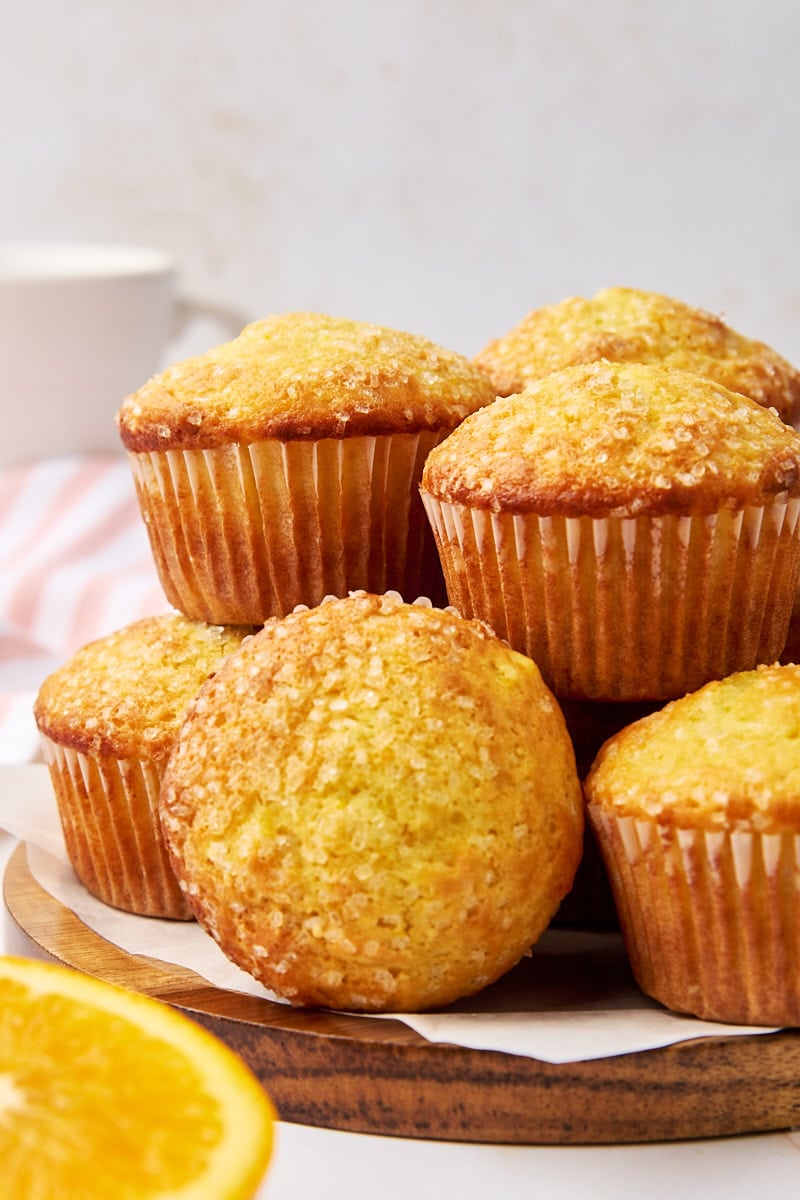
(437, 165)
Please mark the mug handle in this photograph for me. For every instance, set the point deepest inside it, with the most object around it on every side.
(187, 310)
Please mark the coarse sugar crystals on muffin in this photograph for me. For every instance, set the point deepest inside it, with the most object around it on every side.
(630, 325)
(107, 720)
(631, 527)
(284, 465)
(697, 811)
(374, 805)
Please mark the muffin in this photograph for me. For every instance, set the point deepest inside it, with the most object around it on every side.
(283, 466)
(107, 720)
(374, 806)
(697, 811)
(632, 528)
(628, 325)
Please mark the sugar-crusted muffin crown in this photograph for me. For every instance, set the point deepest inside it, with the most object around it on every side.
(374, 804)
(125, 694)
(630, 325)
(304, 375)
(617, 439)
(724, 757)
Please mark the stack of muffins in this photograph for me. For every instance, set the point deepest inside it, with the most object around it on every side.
(628, 516)
(370, 802)
(373, 802)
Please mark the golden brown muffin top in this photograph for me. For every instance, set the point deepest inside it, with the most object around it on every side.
(307, 376)
(126, 694)
(724, 757)
(628, 325)
(358, 788)
(617, 439)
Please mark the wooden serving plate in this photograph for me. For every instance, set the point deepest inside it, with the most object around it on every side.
(378, 1076)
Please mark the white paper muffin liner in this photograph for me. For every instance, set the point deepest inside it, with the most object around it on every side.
(241, 533)
(626, 608)
(711, 919)
(109, 816)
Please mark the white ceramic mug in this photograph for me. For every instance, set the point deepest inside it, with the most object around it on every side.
(82, 326)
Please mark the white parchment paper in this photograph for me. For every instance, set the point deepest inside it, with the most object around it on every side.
(572, 1000)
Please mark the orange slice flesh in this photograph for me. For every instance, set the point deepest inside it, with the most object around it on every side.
(107, 1093)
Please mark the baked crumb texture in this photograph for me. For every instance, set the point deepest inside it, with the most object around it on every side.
(284, 466)
(634, 529)
(303, 376)
(630, 325)
(107, 720)
(697, 811)
(374, 806)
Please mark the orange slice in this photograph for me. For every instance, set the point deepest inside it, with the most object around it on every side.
(107, 1093)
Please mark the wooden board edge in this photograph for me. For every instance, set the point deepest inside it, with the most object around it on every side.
(365, 1076)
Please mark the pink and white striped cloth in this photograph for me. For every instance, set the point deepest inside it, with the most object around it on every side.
(75, 564)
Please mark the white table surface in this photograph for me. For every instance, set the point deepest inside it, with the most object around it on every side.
(323, 1164)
